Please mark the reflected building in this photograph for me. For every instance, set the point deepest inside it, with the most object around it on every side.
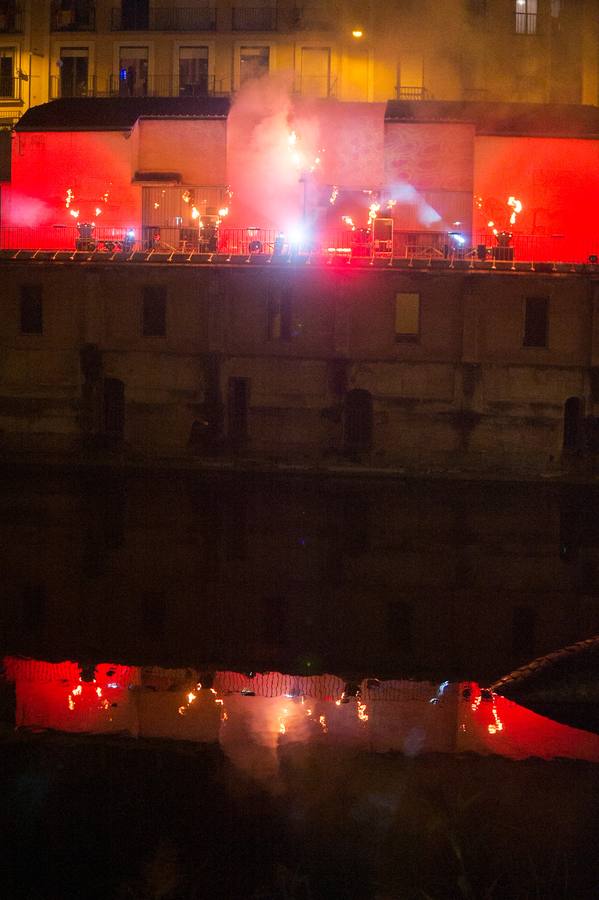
(432, 582)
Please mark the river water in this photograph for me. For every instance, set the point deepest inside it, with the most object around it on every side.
(299, 628)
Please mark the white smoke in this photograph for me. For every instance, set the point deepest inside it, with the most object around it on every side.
(264, 170)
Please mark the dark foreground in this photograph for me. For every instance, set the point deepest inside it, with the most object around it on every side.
(113, 817)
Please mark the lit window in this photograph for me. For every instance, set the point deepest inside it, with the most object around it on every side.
(536, 321)
(526, 16)
(407, 317)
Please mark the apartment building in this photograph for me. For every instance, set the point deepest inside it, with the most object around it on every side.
(518, 50)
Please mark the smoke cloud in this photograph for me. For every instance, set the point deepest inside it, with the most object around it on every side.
(265, 162)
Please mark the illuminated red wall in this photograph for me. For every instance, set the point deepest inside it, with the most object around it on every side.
(45, 165)
(557, 181)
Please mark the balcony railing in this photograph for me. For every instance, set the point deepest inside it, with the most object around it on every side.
(11, 19)
(158, 18)
(10, 88)
(165, 86)
(152, 86)
(407, 92)
(254, 18)
(431, 248)
(77, 17)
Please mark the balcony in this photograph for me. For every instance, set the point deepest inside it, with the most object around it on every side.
(254, 18)
(11, 18)
(151, 86)
(10, 88)
(76, 16)
(158, 18)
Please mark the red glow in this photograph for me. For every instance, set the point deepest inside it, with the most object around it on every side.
(557, 181)
(391, 715)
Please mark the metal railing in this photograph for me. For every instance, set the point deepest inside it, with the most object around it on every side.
(164, 86)
(424, 246)
(151, 86)
(10, 88)
(11, 18)
(54, 237)
(75, 17)
(254, 18)
(158, 18)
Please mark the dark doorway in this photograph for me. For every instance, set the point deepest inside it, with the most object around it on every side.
(114, 409)
(572, 423)
(238, 404)
(357, 437)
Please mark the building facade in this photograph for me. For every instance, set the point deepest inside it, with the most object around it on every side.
(391, 366)
(494, 50)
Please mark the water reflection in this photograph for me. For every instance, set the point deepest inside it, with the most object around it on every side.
(367, 578)
(254, 716)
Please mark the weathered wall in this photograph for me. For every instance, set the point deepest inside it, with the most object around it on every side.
(196, 149)
(466, 391)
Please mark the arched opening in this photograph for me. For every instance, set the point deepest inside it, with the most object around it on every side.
(357, 437)
(114, 409)
(572, 423)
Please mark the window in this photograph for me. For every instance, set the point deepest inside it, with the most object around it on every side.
(154, 311)
(133, 72)
(73, 71)
(193, 71)
(315, 75)
(73, 15)
(280, 318)
(526, 16)
(399, 626)
(31, 309)
(358, 422)
(33, 607)
(7, 79)
(523, 632)
(9, 16)
(536, 322)
(407, 317)
(253, 62)
(114, 408)
(135, 14)
(237, 410)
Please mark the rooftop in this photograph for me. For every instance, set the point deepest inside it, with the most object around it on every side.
(118, 113)
(515, 119)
